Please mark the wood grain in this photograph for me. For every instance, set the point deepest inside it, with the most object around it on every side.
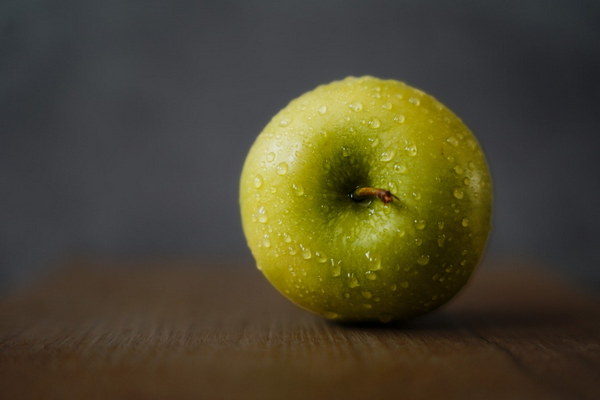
(177, 332)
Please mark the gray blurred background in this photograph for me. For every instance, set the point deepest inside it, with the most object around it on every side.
(124, 124)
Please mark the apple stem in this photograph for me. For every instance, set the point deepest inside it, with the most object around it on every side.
(362, 192)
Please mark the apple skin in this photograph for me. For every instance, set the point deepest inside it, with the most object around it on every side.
(365, 260)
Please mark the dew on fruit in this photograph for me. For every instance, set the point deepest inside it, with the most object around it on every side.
(423, 259)
(453, 141)
(262, 217)
(298, 189)
(286, 237)
(440, 240)
(459, 170)
(282, 168)
(387, 106)
(330, 315)
(420, 224)
(465, 222)
(375, 123)
(266, 242)
(321, 258)
(270, 157)
(322, 110)
(400, 168)
(284, 121)
(416, 195)
(399, 118)
(345, 151)
(258, 266)
(357, 106)
(393, 287)
(411, 149)
(366, 294)
(292, 251)
(414, 101)
(418, 241)
(336, 268)
(352, 281)
(371, 275)
(376, 265)
(387, 156)
(306, 253)
(463, 262)
(458, 193)
(374, 142)
(258, 181)
(440, 225)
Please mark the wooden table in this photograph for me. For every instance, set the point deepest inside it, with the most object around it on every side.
(180, 331)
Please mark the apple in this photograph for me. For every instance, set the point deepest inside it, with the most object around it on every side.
(366, 200)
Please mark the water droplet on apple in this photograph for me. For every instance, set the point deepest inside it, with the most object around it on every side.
(270, 157)
(306, 253)
(387, 156)
(400, 168)
(292, 251)
(287, 238)
(441, 225)
(399, 118)
(465, 222)
(458, 193)
(366, 294)
(453, 141)
(423, 259)
(330, 315)
(414, 101)
(322, 110)
(459, 170)
(352, 281)
(393, 287)
(336, 268)
(387, 106)
(262, 215)
(321, 258)
(357, 106)
(418, 241)
(284, 121)
(411, 149)
(441, 239)
(298, 189)
(463, 262)
(374, 142)
(345, 151)
(371, 275)
(467, 181)
(420, 224)
(375, 123)
(266, 242)
(258, 181)
(282, 168)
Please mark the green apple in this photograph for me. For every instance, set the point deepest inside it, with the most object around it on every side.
(366, 200)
